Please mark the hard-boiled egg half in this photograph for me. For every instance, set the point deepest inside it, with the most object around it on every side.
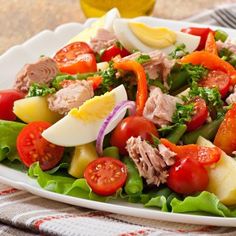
(105, 22)
(135, 35)
(82, 125)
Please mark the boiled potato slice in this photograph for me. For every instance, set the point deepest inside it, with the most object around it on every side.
(34, 109)
(222, 176)
(82, 156)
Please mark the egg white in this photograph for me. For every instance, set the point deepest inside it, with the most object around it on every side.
(131, 42)
(70, 131)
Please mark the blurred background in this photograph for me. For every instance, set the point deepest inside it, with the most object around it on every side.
(21, 19)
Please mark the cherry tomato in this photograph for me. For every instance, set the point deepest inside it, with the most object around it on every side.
(105, 175)
(187, 176)
(200, 114)
(113, 51)
(219, 79)
(204, 155)
(7, 98)
(225, 136)
(132, 126)
(32, 147)
(202, 32)
(76, 58)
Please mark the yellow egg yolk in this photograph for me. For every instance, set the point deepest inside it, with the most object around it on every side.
(96, 108)
(155, 37)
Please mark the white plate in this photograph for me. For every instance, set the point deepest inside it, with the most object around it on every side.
(47, 43)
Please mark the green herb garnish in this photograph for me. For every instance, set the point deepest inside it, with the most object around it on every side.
(183, 113)
(40, 90)
(143, 59)
(179, 51)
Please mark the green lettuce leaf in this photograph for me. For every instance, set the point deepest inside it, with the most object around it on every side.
(65, 185)
(9, 131)
(204, 203)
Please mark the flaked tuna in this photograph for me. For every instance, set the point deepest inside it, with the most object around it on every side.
(151, 163)
(160, 107)
(72, 95)
(40, 72)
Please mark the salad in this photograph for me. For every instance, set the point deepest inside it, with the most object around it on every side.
(130, 111)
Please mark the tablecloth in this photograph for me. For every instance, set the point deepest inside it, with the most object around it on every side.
(22, 213)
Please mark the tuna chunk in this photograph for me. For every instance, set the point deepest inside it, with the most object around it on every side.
(158, 67)
(102, 40)
(40, 72)
(160, 107)
(73, 95)
(150, 162)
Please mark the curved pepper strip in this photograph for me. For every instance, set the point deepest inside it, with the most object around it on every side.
(211, 62)
(225, 137)
(204, 155)
(142, 92)
(210, 45)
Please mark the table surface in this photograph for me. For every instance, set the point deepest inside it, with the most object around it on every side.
(21, 19)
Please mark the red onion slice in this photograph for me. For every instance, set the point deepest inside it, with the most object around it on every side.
(121, 107)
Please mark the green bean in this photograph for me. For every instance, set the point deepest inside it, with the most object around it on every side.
(207, 131)
(221, 35)
(177, 133)
(178, 80)
(111, 152)
(134, 182)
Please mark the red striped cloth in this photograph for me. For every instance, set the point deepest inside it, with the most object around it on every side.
(25, 214)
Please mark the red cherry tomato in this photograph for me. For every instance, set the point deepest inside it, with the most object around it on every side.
(132, 126)
(187, 176)
(105, 175)
(200, 114)
(76, 58)
(32, 147)
(113, 51)
(7, 98)
(219, 79)
(202, 32)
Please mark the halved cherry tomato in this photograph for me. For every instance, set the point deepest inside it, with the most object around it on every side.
(76, 58)
(32, 147)
(202, 32)
(217, 78)
(132, 126)
(204, 155)
(225, 137)
(187, 176)
(113, 51)
(7, 99)
(105, 175)
(200, 114)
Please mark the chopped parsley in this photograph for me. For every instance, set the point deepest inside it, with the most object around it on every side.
(228, 56)
(195, 72)
(143, 59)
(59, 78)
(185, 74)
(211, 96)
(183, 113)
(179, 51)
(40, 90)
